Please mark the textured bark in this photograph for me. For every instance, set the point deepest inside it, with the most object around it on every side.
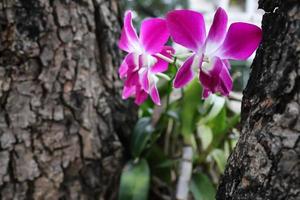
(63, 125)
(266, 161)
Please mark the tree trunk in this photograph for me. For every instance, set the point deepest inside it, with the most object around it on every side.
(63, 125)
(266, 161)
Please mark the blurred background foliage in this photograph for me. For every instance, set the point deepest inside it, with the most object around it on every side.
(210, 127)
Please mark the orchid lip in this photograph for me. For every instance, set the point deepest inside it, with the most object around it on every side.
(206, 67)
(205, 59)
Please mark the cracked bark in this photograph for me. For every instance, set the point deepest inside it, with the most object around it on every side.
(63, 125)
(266, 161)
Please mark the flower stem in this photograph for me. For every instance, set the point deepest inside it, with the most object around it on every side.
(186, 168)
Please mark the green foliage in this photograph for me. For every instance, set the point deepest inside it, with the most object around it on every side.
(202, 187)
(161, 133)
(161, 165)
(217, 104)
(219, 156)
(190, 102)
(135, 181)
(205, 134)
(141, 136)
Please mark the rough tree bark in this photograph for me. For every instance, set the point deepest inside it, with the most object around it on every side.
(266, 161)
(63, 124)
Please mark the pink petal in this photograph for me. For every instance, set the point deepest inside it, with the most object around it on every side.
(168, 51)
(241, 41)
(161, 65)
(144, 80)
(226, 63)
(140, 96)
(129, 38)
(217, 31)
(185, 73)
(210, 79)
(205, 93)
(123, 68)
(127, 64)
(187, 28)
(154, 34)
(128, 92)
(155, 95)
(225, 82)
(132, 79)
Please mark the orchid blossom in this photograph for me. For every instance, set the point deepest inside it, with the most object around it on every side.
(210, 54)
(143, 62)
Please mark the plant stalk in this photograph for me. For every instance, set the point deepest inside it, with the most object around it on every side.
(186, 167)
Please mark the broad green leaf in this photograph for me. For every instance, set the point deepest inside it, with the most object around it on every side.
(233, 121)
(205, 134)
(234, 106)
(135, 181)
(226, 149)
(220, 158)
(217, 103)
(167, 163)
(234, 142)
(221, 125)
(218, 124)
(202, 187)
(141, 135)
(161, 165)
(190, 102)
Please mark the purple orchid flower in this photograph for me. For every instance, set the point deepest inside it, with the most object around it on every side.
(211, 53)
(143, 62)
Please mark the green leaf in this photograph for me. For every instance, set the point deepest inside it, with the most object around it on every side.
(161, 165)
(233, 121)
(171, 72)
(166, 164)
(135, 181)
(205, 134)
(191, 100)
(217, 105)
(146, 109)
(218, 124)
(141, 135)
(202, 187)
(221, 125)
(220, 158)
(226, 149)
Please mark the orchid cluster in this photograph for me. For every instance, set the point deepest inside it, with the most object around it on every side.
(148, 56)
